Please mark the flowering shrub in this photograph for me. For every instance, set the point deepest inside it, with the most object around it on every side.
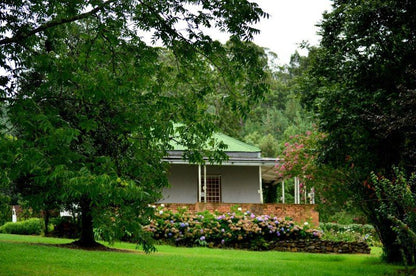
(350, 233)
(234, 229)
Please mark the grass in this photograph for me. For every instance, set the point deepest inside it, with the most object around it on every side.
(21, 255)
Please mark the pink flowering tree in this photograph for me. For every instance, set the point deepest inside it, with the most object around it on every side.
(299, 159)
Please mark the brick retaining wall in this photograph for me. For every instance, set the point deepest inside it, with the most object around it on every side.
(298, 212)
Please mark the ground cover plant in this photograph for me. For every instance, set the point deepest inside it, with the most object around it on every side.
(18, 257)
(233, 229)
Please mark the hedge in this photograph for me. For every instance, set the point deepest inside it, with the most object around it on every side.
(31, 226)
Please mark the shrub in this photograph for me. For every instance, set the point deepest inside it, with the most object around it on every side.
(236, 229)
(31, 226)
(397, 205)
(350, 233)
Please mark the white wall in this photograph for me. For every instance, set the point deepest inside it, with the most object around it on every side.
(183, 180)
(240, 184)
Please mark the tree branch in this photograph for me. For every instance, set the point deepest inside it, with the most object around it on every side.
(21, 36)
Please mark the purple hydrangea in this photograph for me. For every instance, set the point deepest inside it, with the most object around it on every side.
(202, 238)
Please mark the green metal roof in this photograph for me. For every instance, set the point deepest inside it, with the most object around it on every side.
(233, 144)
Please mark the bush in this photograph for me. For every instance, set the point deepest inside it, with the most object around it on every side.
(397, 209)
(31, 226)
(350, 233)
(236, 229)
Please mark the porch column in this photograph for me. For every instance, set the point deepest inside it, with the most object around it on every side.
(199, 184)
(304, 194)
(297, 192)
(205, 183)
(260, 186)
(283, 192)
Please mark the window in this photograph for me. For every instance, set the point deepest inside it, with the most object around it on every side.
(213, 191)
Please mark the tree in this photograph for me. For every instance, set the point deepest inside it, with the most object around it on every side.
(279, 114)
(361, 85)
(92, 109)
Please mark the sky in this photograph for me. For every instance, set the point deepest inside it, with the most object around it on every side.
(290, 22)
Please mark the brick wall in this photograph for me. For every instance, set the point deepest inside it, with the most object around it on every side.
(298, 212)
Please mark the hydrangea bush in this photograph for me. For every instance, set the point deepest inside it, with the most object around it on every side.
(234, 229)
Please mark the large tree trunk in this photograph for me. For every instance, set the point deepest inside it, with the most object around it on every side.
(87, 231)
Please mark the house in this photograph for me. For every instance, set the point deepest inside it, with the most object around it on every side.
(236, 181)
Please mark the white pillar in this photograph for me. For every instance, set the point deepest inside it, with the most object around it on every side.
(14, 216)
(304, 194)
(260, 186)
(205, 183)
(312, 196)
(283, 192)
(199, 184)
(297, 191)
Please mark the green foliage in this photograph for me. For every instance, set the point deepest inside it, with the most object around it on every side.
(346, 216)
(237, 229)
(91, 109)
(397, 199)
(360, 84)
(276, 116)
(5, 210)
(31, 226)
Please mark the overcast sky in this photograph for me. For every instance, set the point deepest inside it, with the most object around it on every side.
(290, 22)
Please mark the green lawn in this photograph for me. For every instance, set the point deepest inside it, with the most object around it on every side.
(20, 255)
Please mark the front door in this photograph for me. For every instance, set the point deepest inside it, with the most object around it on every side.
(213, 188)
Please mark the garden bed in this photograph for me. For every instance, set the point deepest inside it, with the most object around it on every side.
(244, 230)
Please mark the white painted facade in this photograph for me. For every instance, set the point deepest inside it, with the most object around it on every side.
(239, 184)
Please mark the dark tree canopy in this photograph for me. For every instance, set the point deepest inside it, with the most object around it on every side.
(90, 110)
(362, 87)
